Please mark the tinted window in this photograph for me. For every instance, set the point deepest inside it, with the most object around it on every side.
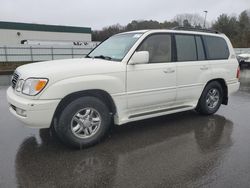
(200, 49)
(216, 47)
(186, 48)
(159, 48)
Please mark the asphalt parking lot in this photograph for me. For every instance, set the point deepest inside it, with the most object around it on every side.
(180, 150)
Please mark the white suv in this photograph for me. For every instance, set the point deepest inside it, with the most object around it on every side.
(130, 76)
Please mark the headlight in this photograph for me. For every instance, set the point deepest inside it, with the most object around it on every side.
(33, 86)
(19, 85)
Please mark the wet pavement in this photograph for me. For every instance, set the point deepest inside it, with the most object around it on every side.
(180, 150)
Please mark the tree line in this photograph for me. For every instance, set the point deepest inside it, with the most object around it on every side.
(237, 28)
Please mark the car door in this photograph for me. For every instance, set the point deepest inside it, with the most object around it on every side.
(152, 85)
(193, 70)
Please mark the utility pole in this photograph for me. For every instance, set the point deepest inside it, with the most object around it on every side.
(204, 25)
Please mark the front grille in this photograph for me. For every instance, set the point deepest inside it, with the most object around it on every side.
(14, 80)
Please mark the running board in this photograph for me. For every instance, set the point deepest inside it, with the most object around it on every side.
(158, 111)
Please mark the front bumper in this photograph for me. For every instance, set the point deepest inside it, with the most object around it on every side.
(38, 113)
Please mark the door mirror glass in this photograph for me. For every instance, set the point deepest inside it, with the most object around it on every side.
(141, 57)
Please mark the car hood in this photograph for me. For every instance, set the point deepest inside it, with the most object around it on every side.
(244, 56)
(67, 68)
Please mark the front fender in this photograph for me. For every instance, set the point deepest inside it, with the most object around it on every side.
(112, 84)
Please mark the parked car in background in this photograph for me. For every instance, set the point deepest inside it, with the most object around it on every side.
(131, 76)
(244, 60)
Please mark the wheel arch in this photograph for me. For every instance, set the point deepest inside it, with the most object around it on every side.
(223, 84)
(100, 94)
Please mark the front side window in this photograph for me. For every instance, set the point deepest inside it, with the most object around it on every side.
(116, 47)
(159, 48)
(186, 47)
(216, 48)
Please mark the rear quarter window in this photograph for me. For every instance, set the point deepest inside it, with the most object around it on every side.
(216, 48)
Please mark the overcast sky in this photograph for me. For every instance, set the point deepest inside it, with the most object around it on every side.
(100, 13)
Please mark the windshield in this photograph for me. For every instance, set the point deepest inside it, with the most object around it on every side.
(116, 47)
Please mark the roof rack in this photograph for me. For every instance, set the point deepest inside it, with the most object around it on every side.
(195, 29)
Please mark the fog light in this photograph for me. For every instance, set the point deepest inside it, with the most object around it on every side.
(21, 112)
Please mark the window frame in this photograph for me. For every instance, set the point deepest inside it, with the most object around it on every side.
(203, 46)
(174, 47)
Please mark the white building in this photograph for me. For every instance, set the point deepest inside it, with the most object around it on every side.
(12, 33)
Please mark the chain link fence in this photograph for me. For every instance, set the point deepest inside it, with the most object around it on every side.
(34, 53)
(25, 53)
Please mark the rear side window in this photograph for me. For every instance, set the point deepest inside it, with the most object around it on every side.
(216, 48)
(186, 48)
(159, 48)
(200, 48)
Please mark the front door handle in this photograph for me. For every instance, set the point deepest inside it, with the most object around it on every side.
(167, 71)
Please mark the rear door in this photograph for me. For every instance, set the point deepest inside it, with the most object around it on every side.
(193, 70)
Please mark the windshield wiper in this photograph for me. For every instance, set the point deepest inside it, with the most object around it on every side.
(103, 57)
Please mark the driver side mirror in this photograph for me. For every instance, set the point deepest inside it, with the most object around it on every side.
(141, 57)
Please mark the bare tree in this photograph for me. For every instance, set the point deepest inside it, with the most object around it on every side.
(193, 19)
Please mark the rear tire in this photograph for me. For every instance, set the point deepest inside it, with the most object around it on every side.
(83, 122)
(211, 99)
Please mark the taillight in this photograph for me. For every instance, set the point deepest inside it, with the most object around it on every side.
(238, 73)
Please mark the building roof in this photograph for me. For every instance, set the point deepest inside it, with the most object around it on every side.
(43, 27)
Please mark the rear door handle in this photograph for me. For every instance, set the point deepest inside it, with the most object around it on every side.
(204, 68)
(169, 71)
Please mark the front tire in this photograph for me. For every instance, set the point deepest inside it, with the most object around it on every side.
(83, 122)
(211, 99)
